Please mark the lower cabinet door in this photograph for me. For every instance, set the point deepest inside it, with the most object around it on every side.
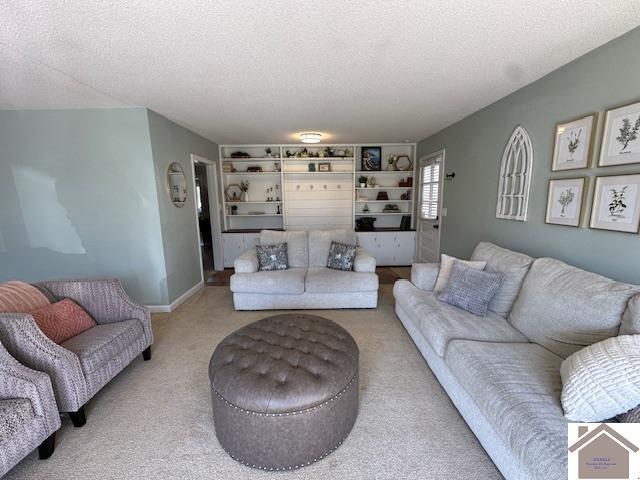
(232, 247)
(405, 243)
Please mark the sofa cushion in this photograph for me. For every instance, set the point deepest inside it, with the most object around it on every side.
(470, 289)
(320, 241)
(564, 308)
(290, 281)
(297, 245)
(517, 388)
(602, 380)
(101, 344)
(513, 265)
(441, 323)
(62, 320)
(326, 280)
(15, 415)
(20, 297)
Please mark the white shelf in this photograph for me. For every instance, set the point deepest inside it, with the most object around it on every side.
(251, 173)
(255, 215)
(384, 188)
(382, 201)
(249, 203)
(385, 172)
(319, 173)
(252, 159)
(375, 214)
(319, 159)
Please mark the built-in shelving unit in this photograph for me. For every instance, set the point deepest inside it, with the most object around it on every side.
(292, 192)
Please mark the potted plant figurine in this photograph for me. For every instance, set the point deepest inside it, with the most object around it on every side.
(363, 181)
(267, 151)
(391, 160)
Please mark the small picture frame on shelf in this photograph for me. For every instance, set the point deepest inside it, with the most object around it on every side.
(371, 158)
(565, 201)
(233, 193)
(573, 144)
(403, 163)
(324, 166)
(621, 137)
(616, 203)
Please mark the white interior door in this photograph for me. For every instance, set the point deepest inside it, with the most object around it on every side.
(429, 208)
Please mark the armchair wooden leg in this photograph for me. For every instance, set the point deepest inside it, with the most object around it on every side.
(78, 418)
(146, 354)
(46, 448)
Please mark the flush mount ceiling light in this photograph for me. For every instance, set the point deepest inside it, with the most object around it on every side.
(310, 137)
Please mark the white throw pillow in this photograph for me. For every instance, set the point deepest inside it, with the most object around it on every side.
(446, 267)
(602, 380)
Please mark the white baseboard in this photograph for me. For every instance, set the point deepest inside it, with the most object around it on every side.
(178, 301)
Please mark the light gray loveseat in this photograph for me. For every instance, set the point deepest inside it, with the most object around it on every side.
(307, 283)
(502, 371)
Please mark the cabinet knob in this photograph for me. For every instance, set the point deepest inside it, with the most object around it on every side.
(339, 187)
(311, 187)
(297, 187)
(325, 187)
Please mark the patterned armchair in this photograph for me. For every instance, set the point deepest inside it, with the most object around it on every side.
(82, 365)
(28, 413)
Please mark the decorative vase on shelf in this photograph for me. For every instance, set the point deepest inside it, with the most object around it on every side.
(245, 196)
(363, 185)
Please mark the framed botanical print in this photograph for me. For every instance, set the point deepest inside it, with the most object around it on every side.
(616, 203)
(574, 143)
(371, 158)
(621, 137)
(565, 202)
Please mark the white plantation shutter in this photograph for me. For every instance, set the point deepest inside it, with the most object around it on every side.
(430, 192)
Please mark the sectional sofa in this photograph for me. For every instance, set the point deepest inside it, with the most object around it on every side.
(307, 283)
(502, 371)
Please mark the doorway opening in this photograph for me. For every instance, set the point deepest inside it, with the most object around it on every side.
(207, 218)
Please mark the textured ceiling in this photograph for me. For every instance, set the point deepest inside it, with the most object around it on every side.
(260, 71)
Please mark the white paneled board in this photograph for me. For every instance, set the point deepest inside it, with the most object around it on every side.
(318, 201)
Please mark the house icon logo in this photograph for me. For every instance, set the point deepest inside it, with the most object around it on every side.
(601, 452)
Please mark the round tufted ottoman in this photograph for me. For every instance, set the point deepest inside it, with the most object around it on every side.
(284, 390)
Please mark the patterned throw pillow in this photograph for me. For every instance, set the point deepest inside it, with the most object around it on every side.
(272, 257)
(62, 320)
(446, 266)
(632, 416)
(341, 256)
(471, 289)
(20, 297)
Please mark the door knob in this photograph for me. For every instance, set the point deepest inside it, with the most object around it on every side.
(436, 227)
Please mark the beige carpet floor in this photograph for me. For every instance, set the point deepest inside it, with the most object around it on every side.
(154, 420)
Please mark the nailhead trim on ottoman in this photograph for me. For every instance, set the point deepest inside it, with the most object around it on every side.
(284, 391)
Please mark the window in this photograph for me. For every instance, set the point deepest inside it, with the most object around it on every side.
(515, 177)
(430, 191)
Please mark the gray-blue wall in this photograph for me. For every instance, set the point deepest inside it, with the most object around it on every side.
(604, 78)
(83, 194)
(78, 198)
(172, 143)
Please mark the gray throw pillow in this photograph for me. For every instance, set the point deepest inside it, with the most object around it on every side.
(471, 289)
(341, 256)
(272, 257)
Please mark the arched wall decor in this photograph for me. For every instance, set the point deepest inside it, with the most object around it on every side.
(515, 177)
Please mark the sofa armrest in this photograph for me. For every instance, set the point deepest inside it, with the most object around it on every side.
(24, 340)
(364, 261)
(247, 262)
(18, 381)
(104, 299)
(424, 275)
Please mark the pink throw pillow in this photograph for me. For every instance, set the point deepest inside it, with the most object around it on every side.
(20, 297)
(62, 320)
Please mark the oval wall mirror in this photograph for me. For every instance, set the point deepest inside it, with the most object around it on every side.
(176, 184)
